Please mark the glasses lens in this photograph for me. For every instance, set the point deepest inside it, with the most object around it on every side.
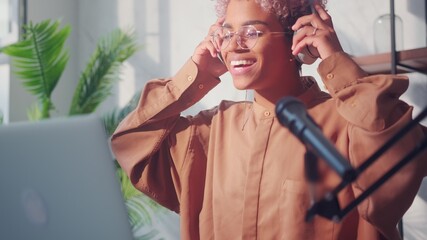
(248, 37)
(222, 37)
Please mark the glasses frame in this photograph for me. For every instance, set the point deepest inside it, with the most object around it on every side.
(239, 36)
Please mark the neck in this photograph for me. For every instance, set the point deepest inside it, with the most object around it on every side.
(269, 97)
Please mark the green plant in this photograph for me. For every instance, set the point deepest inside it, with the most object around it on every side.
(40, 59)
(140, 207)
(102, 72)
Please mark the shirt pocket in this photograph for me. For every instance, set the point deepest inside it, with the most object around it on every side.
(293, 207)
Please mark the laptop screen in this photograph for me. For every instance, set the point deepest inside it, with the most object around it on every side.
(57, 181)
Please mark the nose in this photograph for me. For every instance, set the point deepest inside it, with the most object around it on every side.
(234, 43)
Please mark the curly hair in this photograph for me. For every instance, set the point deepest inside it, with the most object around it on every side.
(287, 11)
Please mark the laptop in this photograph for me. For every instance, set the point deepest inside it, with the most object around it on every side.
(57, 181)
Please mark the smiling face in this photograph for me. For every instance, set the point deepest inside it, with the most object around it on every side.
(266, 67)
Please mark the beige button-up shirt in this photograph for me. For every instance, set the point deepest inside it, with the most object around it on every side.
(234, 172)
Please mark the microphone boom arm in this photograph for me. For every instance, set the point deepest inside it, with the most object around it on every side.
(328, 207)
(292, 114)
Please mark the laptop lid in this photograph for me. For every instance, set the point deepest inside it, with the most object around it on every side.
(57, 181)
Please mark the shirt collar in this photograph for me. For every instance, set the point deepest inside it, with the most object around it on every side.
(308, 97)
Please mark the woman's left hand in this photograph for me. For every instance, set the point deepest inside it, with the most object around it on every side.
(316, 31)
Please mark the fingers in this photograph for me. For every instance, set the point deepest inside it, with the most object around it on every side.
(207, 46)
(206, 54)
(306, 28)
(319, 20)
(216, 25)
(322, 13)
(207, 59)
(212, 29)
(305, 37)
(220, 21)
(316, 32)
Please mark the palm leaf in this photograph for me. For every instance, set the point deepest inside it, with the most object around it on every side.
(34, 113)
(40, 59)
(149, 236)
(102, 71)
(112, 119)
(127, 188)
(141, 209)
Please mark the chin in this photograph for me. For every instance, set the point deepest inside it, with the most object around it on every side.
(240, 84)
(243, 82)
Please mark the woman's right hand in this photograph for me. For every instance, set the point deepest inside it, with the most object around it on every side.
(206, 54)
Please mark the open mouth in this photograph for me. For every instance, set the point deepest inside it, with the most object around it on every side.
(242, 63)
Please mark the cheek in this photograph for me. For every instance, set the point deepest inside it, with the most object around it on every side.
(276, 50)
(274, 58)
(275, 63)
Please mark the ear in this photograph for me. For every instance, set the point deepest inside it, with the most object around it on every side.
(288, 42)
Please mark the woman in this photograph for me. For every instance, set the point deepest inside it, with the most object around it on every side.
(233, 172)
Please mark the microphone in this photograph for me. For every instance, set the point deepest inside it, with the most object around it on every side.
(292, 114)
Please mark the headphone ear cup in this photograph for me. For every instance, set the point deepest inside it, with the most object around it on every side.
(305, 56)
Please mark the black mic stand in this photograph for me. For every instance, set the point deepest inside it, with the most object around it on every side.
(329, 208)
(311, 174)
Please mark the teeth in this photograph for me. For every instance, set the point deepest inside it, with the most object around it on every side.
(241, 62)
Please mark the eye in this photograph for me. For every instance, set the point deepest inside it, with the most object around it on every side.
(227, 36)
(250, 33)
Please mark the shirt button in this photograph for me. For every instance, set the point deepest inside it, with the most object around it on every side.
(201, 86)
(266, 113)
(330, 76)
(190, 78)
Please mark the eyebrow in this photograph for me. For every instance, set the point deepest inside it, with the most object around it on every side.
(250, 22)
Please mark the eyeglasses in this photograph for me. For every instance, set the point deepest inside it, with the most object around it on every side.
(246, 37)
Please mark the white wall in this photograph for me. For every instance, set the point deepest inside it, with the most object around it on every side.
(8, 34)
(168, 32)
(4, 91)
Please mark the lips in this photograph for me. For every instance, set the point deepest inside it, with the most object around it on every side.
(241, 66)
(241, 63)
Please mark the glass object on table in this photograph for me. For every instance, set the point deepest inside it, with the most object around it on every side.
(382, 33)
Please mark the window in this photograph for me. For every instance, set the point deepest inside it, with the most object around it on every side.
(10, 20)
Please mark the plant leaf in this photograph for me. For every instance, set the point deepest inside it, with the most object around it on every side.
(40, 110)
(141, 208)
(102, 71)
(112, 119)
(34, 112)
(40, 59)
(128, 189)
